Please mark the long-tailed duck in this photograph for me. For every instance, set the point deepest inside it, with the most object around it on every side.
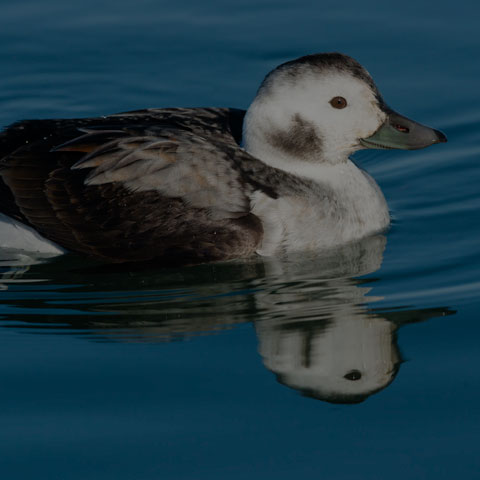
(190, 185)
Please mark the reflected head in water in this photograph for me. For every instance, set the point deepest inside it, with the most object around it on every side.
(342, 358)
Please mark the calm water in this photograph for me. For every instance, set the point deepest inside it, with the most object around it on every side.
(360, 364)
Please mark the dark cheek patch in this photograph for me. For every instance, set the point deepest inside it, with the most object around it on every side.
(301, 139)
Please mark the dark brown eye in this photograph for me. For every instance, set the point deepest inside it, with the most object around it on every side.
(338, 102)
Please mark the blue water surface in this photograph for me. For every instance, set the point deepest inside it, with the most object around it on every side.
(237, 370)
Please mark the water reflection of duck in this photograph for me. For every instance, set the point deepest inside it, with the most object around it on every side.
(174, 185)
(332, 347)
(313, 327)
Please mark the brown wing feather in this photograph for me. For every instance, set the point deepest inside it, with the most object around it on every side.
(157, 202)
(117, 225)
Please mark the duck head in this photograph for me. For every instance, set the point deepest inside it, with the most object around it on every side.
(323, 107)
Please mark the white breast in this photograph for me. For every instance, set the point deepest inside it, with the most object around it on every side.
(347, 205)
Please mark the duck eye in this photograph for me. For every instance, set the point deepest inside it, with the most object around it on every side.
(338, 102)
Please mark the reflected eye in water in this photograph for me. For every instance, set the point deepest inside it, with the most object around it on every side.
(353, 375)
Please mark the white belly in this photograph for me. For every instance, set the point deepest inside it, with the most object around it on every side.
(18, 236)
(349, 206)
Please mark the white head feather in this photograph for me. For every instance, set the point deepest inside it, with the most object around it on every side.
(292, 122)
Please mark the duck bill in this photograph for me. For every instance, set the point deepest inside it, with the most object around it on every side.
(402, 133)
